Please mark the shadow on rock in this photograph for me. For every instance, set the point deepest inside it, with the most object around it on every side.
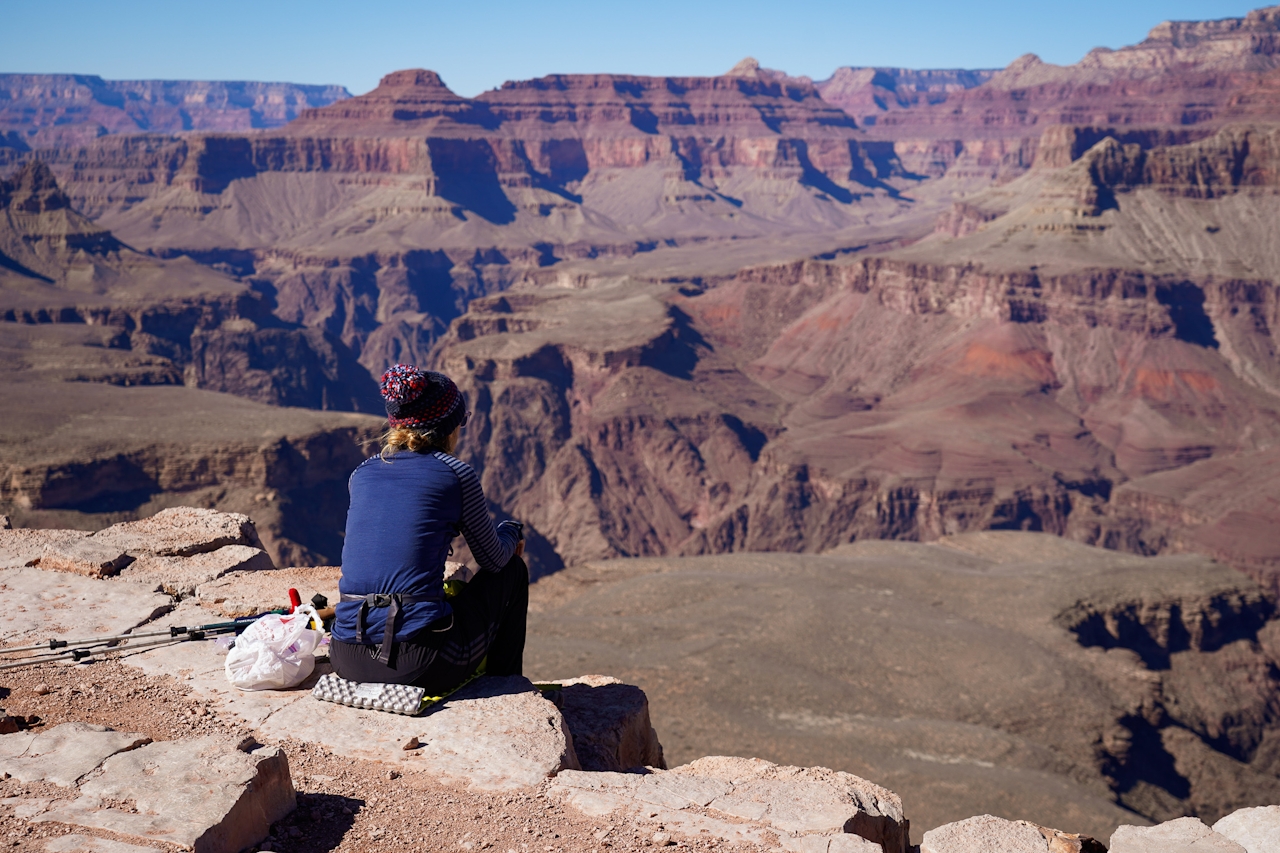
(318, 824)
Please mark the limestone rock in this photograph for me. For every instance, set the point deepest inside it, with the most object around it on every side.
(77, 843)
(23, 547)
(610, 724)
(181, 576)
(747, 800)
(26, 807)
(181, 532)
(202, 794)
(1184, 835)
(63, 754)
(202, 664)
(84, 557)
(248, 593)
(989, 834)
(494, 734)
(40, 605)
(1257, 830)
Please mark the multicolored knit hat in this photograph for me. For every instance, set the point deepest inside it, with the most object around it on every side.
(422, 399)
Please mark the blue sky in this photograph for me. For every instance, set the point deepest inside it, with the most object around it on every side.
(476, 45)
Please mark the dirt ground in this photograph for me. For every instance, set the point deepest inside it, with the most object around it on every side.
(344, 804)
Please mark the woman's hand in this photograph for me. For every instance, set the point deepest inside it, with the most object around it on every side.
(520, 548)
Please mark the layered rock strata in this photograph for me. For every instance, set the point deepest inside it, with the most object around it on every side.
(48, 110)
(1109, 394)
(1187, 78)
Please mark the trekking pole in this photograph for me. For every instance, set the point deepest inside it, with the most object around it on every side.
(88, 653)
(173, 631)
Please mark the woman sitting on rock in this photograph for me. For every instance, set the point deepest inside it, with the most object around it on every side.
(393, 624)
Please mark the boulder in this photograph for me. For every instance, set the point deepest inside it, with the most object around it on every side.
(1257, 830)
(747, 800)
(247, 593)
(180, 532)
(204, 795)
(609, 722)
(1184, 835)
(989, 834)
(40, 605)
(62, 754)
(86, 556)
(23, 547)
(180, 576)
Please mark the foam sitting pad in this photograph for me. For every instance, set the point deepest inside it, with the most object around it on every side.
(394, 698)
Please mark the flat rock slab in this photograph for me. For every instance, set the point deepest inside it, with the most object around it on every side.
(989, 834)
(1257, 830)
(77, 843)
(87, 557)
(180, 576)
(23, 547)
(62, 754)
(203, 795)
(248, 593)
(200, 665)
(495, 734)
(610, 725)
(1184, 835)
(40, 605)
(746, 800)
(181, 532)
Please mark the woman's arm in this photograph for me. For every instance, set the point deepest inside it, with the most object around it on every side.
(492, 547)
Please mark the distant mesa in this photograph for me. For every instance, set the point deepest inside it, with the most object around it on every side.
(413, 77)
(867, 93)
(411, 95)
(49, 110)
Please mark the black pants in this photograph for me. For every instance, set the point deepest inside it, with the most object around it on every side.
(488, 619)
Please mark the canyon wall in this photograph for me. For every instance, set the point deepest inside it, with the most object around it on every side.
(52, 110)
(1081, 343)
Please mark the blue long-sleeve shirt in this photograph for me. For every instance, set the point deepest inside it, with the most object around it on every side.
(405, 511)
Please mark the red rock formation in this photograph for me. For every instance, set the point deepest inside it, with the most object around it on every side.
(1186, 79)
(868, 93)
(1057, 344)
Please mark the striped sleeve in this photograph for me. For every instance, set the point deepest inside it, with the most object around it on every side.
(492, 547)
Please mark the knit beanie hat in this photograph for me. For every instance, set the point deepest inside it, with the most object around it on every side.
(421, 399)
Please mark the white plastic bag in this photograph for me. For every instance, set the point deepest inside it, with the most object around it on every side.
(275, 652)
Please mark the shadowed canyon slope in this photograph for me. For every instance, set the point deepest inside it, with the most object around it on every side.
(716, 314)
(99, 345)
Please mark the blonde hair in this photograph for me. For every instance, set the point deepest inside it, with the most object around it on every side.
(397, 439)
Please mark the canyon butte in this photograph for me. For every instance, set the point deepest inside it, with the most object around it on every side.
(693, 316)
